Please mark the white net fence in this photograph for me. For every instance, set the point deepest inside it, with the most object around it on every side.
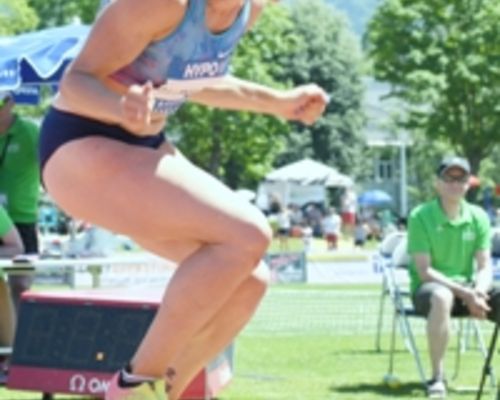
(320, 311)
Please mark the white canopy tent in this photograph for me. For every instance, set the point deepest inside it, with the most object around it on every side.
(302, 181)
(309, 172)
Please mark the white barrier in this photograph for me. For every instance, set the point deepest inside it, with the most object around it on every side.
(116, 270)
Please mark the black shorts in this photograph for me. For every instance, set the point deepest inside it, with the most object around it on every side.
(422, 302)
(29, 237)
(60, 127)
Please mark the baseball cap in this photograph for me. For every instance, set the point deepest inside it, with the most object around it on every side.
(453, 162)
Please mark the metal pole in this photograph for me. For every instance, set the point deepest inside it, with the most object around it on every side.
(403, 180)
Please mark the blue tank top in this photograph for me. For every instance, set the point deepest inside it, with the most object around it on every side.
(188, 60)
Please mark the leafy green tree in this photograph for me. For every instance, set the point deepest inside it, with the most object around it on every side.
(330, 56)
(240, 147)
(423, 158)
(63, 12)
(16, 16)
(442, 58)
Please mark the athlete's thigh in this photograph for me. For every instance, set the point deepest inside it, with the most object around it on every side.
(177, 251)
(145, 193)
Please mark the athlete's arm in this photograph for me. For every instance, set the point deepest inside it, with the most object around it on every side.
(304, 103)
(122, 31)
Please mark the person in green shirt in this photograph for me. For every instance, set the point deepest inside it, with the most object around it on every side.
(450, 269)
(10, 246)
(19, 180)
(10, 241)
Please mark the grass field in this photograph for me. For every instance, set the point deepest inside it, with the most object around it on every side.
(317, 343)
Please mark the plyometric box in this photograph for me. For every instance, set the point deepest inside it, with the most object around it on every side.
(73, 342)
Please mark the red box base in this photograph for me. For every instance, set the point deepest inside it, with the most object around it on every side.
(56, 325)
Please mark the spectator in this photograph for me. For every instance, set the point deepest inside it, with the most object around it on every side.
(284, 227)
(359, 234)
(348, 209)
(10, 241)
(307, 237)
(313, 216)
(10, 246)
(447, 237)
(331, 225)
(19, 181)
(296, 215)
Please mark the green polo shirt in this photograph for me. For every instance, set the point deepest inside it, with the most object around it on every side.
(452, 245)
(5, 223)
(19, 171)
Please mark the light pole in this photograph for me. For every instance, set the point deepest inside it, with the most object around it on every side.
(403, 181)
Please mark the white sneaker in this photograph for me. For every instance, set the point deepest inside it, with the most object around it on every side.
(436, 389)
(146, 391)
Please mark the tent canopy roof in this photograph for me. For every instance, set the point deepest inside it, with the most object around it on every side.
(309, 172)
(39, 57)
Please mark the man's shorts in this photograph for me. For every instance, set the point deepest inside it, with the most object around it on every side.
(422, 302)
(349, 218)
(332, 238)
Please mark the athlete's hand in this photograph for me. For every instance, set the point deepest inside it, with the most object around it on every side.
(136, 111)
(304, 103)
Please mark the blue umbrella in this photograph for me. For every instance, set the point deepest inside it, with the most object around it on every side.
(36, 58)
(374, 198)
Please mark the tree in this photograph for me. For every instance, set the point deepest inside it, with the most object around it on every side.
(441, 57)
(330, 56)
(63, 12)
(423, 159)
(16, 17)
(240, 147)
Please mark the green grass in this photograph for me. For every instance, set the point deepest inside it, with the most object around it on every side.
(314, 342)
(326, 367)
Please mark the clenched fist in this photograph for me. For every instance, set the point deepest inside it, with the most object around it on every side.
(303, 103)
(137, 114)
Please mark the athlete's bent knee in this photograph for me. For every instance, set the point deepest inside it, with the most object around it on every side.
(253, 240)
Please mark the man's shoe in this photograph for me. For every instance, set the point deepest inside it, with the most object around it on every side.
(154, 390)
(436, 389)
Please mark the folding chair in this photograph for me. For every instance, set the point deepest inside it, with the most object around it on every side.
(495, 244)
(487, 369)
(380, 261)
(403, 310)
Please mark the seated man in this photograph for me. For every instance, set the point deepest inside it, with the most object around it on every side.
(450, 270)
(10, 246)
(10, 241)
